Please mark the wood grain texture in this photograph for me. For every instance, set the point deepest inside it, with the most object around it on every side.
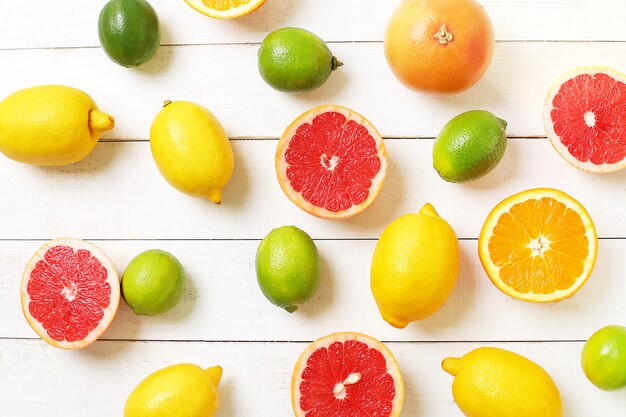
(73, 23)
(225, 79)
(256, 381)
(223, 301)
(117, 193)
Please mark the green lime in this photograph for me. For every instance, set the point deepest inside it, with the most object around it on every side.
(153, 282)
(469, 146)
(295, 60)
(129, 31)
(604, 358)
(288, 267)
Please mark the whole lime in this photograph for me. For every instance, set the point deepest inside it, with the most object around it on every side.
(153, 282)
(288, 267)
(603, 358)
(129, 31)
(469, 146)
(295, 60)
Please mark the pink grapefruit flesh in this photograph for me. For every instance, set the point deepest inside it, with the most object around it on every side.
(331, 162)
(347, 375)
(585, 118)
(70, 293)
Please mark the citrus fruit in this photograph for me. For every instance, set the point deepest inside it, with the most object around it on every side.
(50, 125)
(347, 375)
(493, 382)
(439, 46)
(225, 9)
(331, 162)
(469, 146)
(288, 267)
(414, 267)
(539, 245)
(586, 121)
(295, 60)
(153, 282)
(129, 32)
(603, 358)
(70, 293)
(191, 150)
(182, 390)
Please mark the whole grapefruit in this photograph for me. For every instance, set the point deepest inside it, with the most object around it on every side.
(439, 46)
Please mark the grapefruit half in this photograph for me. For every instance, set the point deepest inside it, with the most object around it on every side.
(585, 118)
(331, 162)
(347, 375)
(70, 293)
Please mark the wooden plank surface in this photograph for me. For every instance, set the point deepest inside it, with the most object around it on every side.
(73, 23)
(117, 198)
(225, 79)
(223, 300)
(256, 379)
(118, 193)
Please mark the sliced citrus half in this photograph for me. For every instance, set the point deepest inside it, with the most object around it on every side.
(225, 9)
(539, 245)
(585, 118)
(347, 375)
(70, 293)
(331, 162)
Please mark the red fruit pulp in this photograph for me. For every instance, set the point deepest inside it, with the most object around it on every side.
(68, 292)
(332, 162)
(347, 379)
(589, 117)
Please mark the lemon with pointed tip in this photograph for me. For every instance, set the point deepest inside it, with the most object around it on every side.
(182, 390)
(50, 125)
(415, 266)
(493, 382)
(191, 150)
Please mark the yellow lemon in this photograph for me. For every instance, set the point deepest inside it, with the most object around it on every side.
(50, 125)
(415, 266)
(191, 150)
(495, 382)
(182, 390)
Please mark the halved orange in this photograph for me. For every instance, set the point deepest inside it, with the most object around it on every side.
(225, 9)
(539, 245)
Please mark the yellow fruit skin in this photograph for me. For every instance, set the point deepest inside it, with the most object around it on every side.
(50, 125)
(182, 390)
(191, 150)
(415, 267)
(493, 382)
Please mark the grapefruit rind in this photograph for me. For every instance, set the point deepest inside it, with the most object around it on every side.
(109, 312)
(392, 367)
(281, 163)
(555, 139)
(231, 13)
(492, 270)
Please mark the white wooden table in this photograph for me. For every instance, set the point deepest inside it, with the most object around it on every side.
(117, 199)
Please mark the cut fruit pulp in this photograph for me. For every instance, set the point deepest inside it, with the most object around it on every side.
(70, 293)
(539, 245)
(347, 375)
(585, 118)
(331, 162)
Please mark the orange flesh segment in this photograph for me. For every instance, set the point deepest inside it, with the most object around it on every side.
(540, 246)
(224, 4)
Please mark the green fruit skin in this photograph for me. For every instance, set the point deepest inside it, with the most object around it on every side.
(469, 146)
(153, 283)
(288, 267)
(295, 60)
(129, 32)
(603, 358)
